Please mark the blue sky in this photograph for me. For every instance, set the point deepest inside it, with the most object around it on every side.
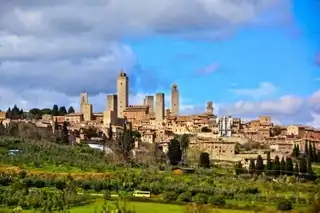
(250, 57)
(282, 56)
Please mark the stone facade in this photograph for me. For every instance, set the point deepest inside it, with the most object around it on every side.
(83, 100)
(2, 116)
(136, 114)
(160, 103)
(74, 117)
(87, 112)
(149, 101)
(123, 93)
(175, 102)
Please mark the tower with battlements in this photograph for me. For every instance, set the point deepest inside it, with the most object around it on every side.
(122, 93)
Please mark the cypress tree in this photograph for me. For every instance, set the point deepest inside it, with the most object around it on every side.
(269, 165)
(310, 152)
(318, 156)
(306, 151)
(314, 153)
(259, 165)
(276, 166)
(297, 151)
(55, 110)
(174, 152)
(294, 150)
(238, 168)
(282, 167)
(302, 167)
(296, 169)
(289, 166)
(252, 167)
(65, 133)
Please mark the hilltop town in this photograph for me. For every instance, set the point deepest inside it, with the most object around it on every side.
(224, 138)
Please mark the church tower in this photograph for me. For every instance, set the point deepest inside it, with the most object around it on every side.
(83, 100)
(122, 92)
(174, 100)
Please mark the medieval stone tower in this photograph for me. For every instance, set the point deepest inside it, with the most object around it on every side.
(160, 104)
(149, 101)
(83, 100)
(174, 100)
(122, 92)
(209, 108)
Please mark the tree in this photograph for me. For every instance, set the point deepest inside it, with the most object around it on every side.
(56, 124)
(184, 144)
(2, 129)
(252, 167)
(302, 167)
(314, 153)
(125, 142)
(296, 169)
(306, 151)
(296, 151)
(282, 167)
(65, 133)
(8, 113)
(269, 165)
(310, 152)
(174, 152)
(259, 165)
(289, 166)
(110, 133)
(238, 168)
(55, 110)
(62, 111)
(71, 110)
(204, 160)
(276, 166)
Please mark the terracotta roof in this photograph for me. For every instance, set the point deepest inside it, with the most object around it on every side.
(133, 108)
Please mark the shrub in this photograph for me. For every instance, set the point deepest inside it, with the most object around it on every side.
(169, 196)
(200, 198)
(216, 200)
(185, 197)
(284, 205)
(197, 208)
(22, 174)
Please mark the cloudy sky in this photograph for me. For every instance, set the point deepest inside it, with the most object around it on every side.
(249, 57)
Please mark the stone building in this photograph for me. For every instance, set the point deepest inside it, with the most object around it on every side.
(123, 93)
(149, 101)
(110, 115)
(136, 114)
(2, 116)
(209, 108)
(74, 117)
(160, 103)
(175, 100)
(83, 100)
(87, 112)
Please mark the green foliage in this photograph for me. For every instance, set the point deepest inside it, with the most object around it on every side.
(170, 196)
(276, 167)
(200, 198)
(284, 205)
(125, 142)
(71, 110)
(204, 160)
(282, 167)
(259, 166)
(55, 110)
(185, 197)
(289, 167)
(269, 165)
(216, 200)
(238, 168)
(252, 167)
(174, 152)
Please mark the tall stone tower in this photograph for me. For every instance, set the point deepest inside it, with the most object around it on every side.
(209, 108)
(122, 92)
(149, 101)
(160, 103)
(112, 103)
(110, 115)
(174, 100)
(83, 100)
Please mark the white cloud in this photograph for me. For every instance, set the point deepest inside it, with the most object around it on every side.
(264, 89)
(50, 51)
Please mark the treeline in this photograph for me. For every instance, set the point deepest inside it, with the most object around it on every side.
(302, 164)
(55, 111)
(16, 113)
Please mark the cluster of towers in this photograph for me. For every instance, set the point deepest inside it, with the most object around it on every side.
(118, 103)
(122, 99)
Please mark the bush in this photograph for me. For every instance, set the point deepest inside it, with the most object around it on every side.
(169, 196)
(284, 205)
(216, 200)
(200, 198)
(185, 197)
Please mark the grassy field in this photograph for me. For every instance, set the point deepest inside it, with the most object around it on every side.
(141, 207)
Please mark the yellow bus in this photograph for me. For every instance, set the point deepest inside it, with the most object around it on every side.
(138, 193)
